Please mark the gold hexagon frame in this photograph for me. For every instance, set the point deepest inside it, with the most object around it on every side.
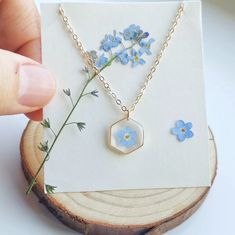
(121, 124)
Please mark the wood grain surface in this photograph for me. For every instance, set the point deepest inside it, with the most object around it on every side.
(128, 212)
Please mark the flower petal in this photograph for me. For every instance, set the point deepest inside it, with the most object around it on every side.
(181, 137)
(188, 125)
(141, 61)
(141, 50)
(127, 129)
(120, 134)
(133, 135)
(180, 123)
(189, 134)
(131, 142)
(123, 142)
(133, 52)
(175, 131)
(134, 64)
(148, 52)
(151, 40)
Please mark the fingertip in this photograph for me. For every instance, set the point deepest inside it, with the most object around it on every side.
(35, 116)
(36, 85)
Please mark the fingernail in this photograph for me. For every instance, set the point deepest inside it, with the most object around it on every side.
(36, 85)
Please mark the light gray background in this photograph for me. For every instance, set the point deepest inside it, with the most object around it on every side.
(24, 215)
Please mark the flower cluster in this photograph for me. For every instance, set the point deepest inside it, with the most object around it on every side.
(110, 41)
(114, 49)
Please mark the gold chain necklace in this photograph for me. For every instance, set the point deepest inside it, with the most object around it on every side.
(125, 135)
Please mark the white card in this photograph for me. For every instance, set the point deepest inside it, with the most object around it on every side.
(83, 161)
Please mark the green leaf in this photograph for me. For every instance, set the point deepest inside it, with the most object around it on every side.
(95, 93)
(86, 70)
(67, 92)
(46, 123)
(50, 188)
(43, 146)
(81, 125)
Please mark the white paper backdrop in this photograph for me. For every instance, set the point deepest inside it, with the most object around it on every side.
(175, 92)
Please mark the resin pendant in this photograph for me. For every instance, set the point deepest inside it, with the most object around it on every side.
(126, 136)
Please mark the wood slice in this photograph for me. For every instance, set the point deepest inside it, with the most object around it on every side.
(128, 212)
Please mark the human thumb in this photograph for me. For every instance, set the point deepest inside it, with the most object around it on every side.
(25, 85)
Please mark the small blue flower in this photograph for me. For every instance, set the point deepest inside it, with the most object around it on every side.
(106, 44)
(101, 61)
(123, 57)
(110, 41)
(132, 32)
(127, 137)
(115, 39)
(93, 55)
(145, 46)
(182, 130)
(136, 58)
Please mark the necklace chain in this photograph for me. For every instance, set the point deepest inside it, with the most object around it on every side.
(106, 85)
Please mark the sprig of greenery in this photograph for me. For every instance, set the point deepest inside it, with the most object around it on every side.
(44, 147)
(93, 93)
(47, 124)
(46, 157)
(68, 93)
(80, 125)
(50, 189)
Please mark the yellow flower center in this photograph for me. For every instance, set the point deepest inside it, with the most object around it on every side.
(136, 58)
(127, 137)
(183, 130)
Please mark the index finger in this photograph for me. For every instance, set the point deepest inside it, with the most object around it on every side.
(20, 32)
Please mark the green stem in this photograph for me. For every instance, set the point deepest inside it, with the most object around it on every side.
(114, 57)
(71, 100)
(70, 123)
(33, 181)
(88, 93)
(53, 132)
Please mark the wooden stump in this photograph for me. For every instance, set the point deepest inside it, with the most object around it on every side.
(128, 212)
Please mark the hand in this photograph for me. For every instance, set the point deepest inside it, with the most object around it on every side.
(25, 85)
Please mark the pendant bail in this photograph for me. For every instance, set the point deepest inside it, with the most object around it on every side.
(128, 114)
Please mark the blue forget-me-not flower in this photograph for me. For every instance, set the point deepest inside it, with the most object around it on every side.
(127, 137)
(123, 57)
(132, 32)
(110, 41)
(145, 46)
(136, 58)
(182, 130)
(132, 52)
(93, 55)
(101, 61)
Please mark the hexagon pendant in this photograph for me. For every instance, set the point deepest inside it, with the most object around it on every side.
(126, 136)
